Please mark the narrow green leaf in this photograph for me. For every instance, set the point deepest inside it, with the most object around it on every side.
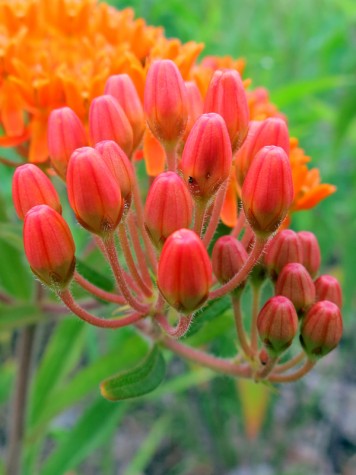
(18, 316)
(93, 429)
(138, 381)
(6, 380)
(15, 275)
(12, 234)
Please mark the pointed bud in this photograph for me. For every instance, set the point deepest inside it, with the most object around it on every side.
(228, 257)
(31, 187)
(226, 96)
(267, 193)
(120, 167)
(195, 106)
(311, 252)
(166, 102)
(49, 246)
(108, 121)
(295, 283)
(277, 324)
(271, 131)
(168, 207)
(65, 134)
(328, 288)
(123, 89)
(207, 156)
(93, 192)
(283, 249)
(184, 271)
(321, 329)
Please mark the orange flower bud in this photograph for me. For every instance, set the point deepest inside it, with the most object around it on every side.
(93, 192)
(166, 102)
(184, 271)
(49, 246)
(277, 324)
(295, 283)
(123, 89)
(272, 131)
(328, 288)
(120, 167)
(168, 207)
(207, 156)
(311, 252)
(108, 121)
(321, 329)
(228, 257)
(267, 193)
(286, 247)
(31, 187)
(65, 134)
(226, 96)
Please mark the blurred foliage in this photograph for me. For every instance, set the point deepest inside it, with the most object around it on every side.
(303, 52)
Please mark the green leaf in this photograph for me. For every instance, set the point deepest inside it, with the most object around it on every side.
(141, 380)
(93, 429)
(94, 276)
(12, 235)
(15, 275)
(6, 380)
(18, 316)
(210, 312)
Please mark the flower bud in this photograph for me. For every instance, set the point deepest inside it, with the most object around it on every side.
(228, 257)
(195, 107)
(168, 207)
(226, 96)
(120, 167)
(123, 89)
(295, 283)
(283, 249)
(31, 187)
(277, 324)
(93, 192)
(108, 121)
(311, 252)
(207, 156)
(328, 288)
(166, 102)
(271, 131)
(267, 192)
(184, 271)
(65, 134)
(49, 246)
(321, 329)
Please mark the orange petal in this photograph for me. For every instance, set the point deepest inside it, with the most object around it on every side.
(228, 213)
(314, 196)
(38, 152)
(155, 156)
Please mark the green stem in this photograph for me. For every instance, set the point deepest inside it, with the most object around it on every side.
(241, 334)
(256, 291)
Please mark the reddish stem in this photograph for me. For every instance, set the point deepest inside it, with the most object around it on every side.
(241, 334)
(290, 378)
(241, 220)
(214, 220)
(177, 331)
(289, 364)
(94, 290)
(141, 258)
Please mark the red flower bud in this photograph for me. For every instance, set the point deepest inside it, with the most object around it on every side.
(228, 257)
(108, 121)
(31, 187)
(321, 329)
(267, 193)
(328, 288)
(277, 324)
(168, 207)
(120, 166)
(295, 283)
(123, 89)
(49, 246)
(166, 101)
(184, 271)
(283, 249)
(207, 156)
(93, 192)
(65, 134)
(311, 252)
(271, 131)
(226, 96)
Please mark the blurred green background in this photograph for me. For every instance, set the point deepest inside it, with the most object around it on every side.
(197, 423)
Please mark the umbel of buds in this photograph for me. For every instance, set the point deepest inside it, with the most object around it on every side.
(267, 193)
(49, 246)
(184, 271)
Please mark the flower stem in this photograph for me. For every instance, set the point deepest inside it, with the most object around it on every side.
(171, 158)
(94, 290)
(264, 372)
(178, 331)
(214, 220)
(290, 378)
(67, 298)
(241, 220)
(241, 334)
(289, 364)
(256, 291)
(253, 257)
(200, 209)
(141, 258)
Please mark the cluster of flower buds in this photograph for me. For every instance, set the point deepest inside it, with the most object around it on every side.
(160, 251)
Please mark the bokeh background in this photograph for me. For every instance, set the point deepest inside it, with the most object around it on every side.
(198, 423)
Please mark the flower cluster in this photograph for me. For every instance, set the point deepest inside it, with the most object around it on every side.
(212, 149)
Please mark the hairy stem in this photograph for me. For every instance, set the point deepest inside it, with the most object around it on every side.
(290, 378)
(214, 220)
(256, 291)
(178, 331)
(281, 368)
(97, 291)
(241, 334)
